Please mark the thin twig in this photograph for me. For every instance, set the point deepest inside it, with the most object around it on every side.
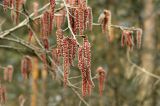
(76, 92)
(118, 27)
(140, 68)
(75, 77)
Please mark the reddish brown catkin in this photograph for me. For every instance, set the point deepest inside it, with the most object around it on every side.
(42, 28)
(45, 42)
(109, 25)
(87, 56)
(30, 36)
(2, 94)
(106, 20)
(11, 3)
(18, 4)
(90, 18)
(84, 86)
(80, 57)
(65, 60)
(6, 4)
(76, 20)
(71, 2)
(59, 53)
(67, 1)
(44, 60)
(74, 26)
(101, 78)
(69, 46)
(73, 49)
(26, 66)
(45, 24)
(50, 23)
(87, 52)
(60, 36)
(129, 39)
(55, 59)
(52, 8)
(81, 66)
(35, 8)
(138, 37)
(59, 20)
(10, 72)
(5, 74)
(123, 38)
(86, 14)
(81, 19)
(84, 57)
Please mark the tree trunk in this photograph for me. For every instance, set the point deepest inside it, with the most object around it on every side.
(148, 55)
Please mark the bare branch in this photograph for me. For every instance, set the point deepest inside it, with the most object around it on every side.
(140, 68)
(26, 21)
(118, 27)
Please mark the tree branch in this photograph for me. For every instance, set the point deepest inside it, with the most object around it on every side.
(140, 68)
(117, 26)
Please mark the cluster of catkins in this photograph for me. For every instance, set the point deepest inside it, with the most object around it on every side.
(129, 39)
(14, 5)
(47, 24)
(69, 51)
(84, 64)
(7, 75)
(80, 16)
(67, 48)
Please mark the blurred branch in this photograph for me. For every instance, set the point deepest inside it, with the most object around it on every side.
(30, 46)
(75, 77)
(11, 47)
(2, 67)
(117, 26)
(2, 22)
(26, 21)
(35, 36)
(140, 68)
(79, 96)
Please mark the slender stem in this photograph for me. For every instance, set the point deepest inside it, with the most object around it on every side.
(118, 27)
(140, 68)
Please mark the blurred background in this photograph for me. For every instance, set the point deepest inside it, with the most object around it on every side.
(125, 84)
